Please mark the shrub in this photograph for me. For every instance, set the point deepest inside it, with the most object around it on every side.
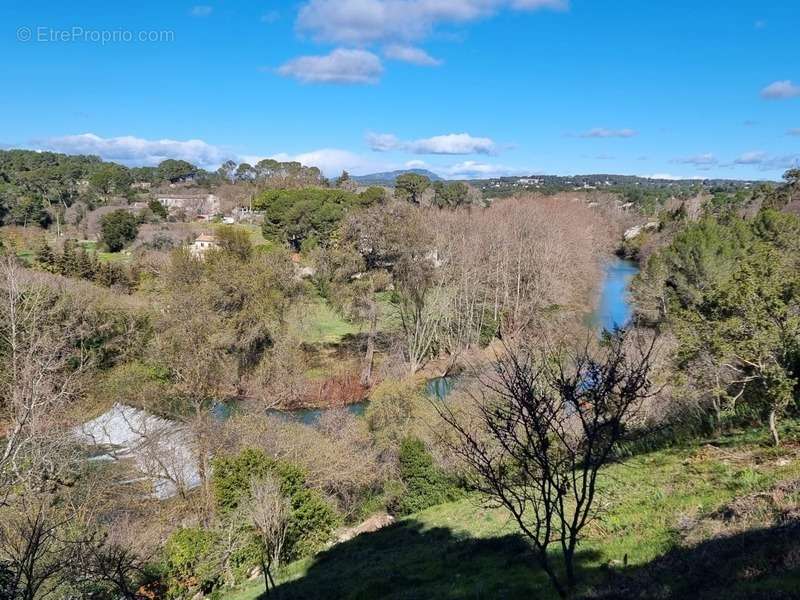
(190, 559)
(394, 412)
(118, 228)
(313, 519)
(158, 209)
(235, 241)
(338, 390)
(425, 485)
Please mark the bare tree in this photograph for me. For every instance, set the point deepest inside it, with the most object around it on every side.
(40, 527)
(111, 562)
(41, 365)
(269, 512)
(542, 427)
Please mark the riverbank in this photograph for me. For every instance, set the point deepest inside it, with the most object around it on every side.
(613, 309)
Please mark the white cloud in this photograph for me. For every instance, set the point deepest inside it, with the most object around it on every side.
(383, 142)
(751, 158)
(332, 161)
(768, 162)
(361, 22)
(795, 131)
(602, 132)
(132, 150)
(416, 164)
(669, 176)
(698, 160)
(340, 66)
(452, 143)
(780, 90)
(471, 169)
(201, 10)
(411, 54)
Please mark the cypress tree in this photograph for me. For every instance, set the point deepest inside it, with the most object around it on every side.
(46, 258)
(68, 263)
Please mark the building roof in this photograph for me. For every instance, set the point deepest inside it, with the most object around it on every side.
(162, 450)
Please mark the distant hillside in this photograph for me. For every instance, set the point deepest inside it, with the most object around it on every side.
(389, 177)
(502, 186)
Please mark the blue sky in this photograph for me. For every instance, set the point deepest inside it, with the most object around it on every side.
(464, 87)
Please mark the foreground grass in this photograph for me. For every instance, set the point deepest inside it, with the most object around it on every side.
(657, 511)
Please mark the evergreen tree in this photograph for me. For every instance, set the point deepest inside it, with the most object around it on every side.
(46, 258)
(84, 264)
(68, 263)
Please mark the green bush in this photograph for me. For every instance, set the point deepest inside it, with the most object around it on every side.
(158, 209)
(118, 228)
(313, 519)
(395, 412)
(190, 560)
(424, 484)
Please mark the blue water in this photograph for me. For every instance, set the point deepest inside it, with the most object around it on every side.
(440, 387)
(615, 309)
(311, 416)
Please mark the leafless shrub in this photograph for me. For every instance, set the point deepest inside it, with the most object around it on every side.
(269, 512)
(540, 429)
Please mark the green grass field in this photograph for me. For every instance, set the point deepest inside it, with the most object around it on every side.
(662, 516)
(118, 257)
(323, 325)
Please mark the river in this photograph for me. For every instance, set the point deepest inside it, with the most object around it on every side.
(614, 310)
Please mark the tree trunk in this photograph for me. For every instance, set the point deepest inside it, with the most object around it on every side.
(773, 427)
(545, 564)
(366, 373)
(265, 572)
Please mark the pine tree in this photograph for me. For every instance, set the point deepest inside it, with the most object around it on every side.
(46, 258)
(68, 264)
(85, 264)
(103, 275)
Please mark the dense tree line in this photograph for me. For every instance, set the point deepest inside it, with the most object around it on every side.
(728, 288)
(309, 215)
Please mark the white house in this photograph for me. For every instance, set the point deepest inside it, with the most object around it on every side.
(203, 244)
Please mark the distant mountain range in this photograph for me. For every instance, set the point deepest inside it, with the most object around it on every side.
(389, 177)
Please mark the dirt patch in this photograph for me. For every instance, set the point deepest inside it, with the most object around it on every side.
(373, 523)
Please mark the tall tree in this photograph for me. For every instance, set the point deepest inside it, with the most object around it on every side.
(270, 513)
(118, 228)
(411, 186)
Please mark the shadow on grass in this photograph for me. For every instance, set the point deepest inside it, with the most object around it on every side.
(757, 563)
(355, 344)
(406, 561)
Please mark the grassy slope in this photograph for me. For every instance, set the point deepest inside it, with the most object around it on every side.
(462, 550)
